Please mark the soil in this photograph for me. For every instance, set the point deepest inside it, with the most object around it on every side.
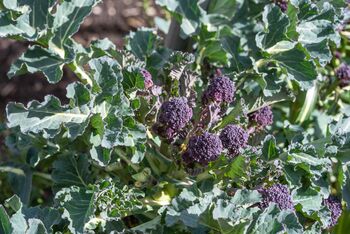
(111, 18)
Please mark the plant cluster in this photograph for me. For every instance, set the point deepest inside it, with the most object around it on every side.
(243, 131)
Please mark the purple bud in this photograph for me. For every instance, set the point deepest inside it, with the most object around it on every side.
(173, 116)
(203, 149)
(282, 4)
(278, 194)
(234, 138)
(334, 205)
(343, 74)
(262, 117)
(221, 89)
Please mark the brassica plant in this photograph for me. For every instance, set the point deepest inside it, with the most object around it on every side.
(236, 121)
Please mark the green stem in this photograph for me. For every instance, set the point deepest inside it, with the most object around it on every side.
(83, 76)
(123, 156)
(43, 175)
(164, 148)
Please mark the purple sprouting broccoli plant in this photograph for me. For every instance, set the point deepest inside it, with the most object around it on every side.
(147, 78)
(282, 4)
(173, 116)
(334, 205)
(234, 138)
(279, 194)
(262, 117)
(343, 74)
(203, 149)
(221, 90)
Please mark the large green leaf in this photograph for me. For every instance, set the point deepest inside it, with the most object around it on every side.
(310, 199)
(39, 59)
(122, 131)
(276, 24)
(78, 205)
(237, 62)
(68, 17)
(143, 42)
(20, 178)
(48, 117)
(297, 67)
(32, 220)
(108, 80)
(188, 9)
(70, 170)
(11, 27)
(317, 29)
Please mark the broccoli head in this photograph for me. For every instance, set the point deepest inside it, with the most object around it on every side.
(203, 149)
(234, 138)
(262, 117)
(279, 194)
(334, 205)
(221, 89)
(343, 74)
(173, 116)
(147, 78)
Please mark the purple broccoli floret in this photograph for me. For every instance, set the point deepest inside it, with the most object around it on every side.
(343, 74)
(279, 194)
(147, 78)
(173, 116)
(203, 149)
(262, 117)
(282, 4)
(221, 89)
(334, 205)
(234, 138)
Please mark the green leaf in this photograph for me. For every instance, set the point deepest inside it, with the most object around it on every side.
(269, 150)
(68, 17)
(267, 222)
(153, 224)
(316, 29)
(38, 59)
(108, 79)
(37, 10)
(246, 198)
(70, 170)
(310, 199)
(274, 220)
(297, 158)
(231, 44)
(122, 131)
(78, 205)
(188, 9)
(297, 67)
(11, 27)
(101, 155)
(20, 178)
(133, 80)
(48, 117)
(48, 216)
(143, 42)
(5, 225)
(276, 24)
(237, 169)
(222, 7)
(32, 220)
(78, 93)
